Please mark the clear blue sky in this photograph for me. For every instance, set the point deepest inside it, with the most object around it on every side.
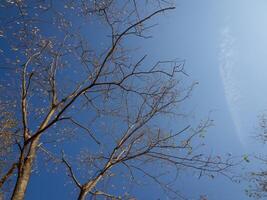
(224, 45)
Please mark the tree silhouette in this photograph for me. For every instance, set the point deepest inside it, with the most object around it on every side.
(78, 84)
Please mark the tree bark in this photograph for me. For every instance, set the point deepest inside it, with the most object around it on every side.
(8, 174)
(24, 172)
(82, 194)
(25, 164)
(89, 186)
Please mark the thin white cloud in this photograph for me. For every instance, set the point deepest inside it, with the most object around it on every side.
(228, 73)
(227, 66)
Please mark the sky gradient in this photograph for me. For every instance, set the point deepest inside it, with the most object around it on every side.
(223, 44)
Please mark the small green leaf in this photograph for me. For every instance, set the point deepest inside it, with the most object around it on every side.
(245, 158)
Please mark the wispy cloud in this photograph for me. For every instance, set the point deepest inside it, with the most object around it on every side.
(227, 66)
(229, 72)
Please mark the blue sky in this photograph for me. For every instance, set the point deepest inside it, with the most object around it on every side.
(224, 45)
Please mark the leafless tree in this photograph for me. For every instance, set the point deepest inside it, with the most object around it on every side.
(7, 136)
(75, 82)
(258, 178)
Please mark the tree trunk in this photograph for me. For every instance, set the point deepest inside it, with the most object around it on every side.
(24, 172)
(82, 194)
(88, 187)
(25, 164)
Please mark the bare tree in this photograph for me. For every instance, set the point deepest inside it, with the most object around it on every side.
(7, 140)
(258, 178)
(76, 82)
